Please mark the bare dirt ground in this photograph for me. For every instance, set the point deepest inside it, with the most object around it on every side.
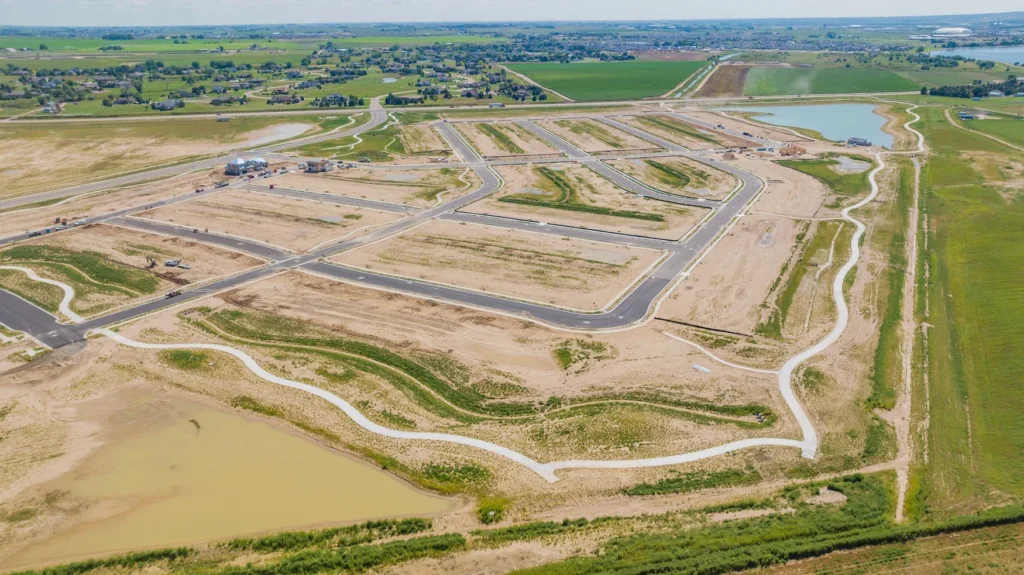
(726, 81)
(789, 193)
(291, 223)
(673, 55)
(594, 137)
(727, 290)
(105, 202)
(705, 181)
(536, 267)
(422, 139)
(718, 139)
(413, 187)
(131, 247)
(489, 147)
(593, 190)
(736, 123)
(34, 161)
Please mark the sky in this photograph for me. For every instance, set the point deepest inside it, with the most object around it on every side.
(213, 12)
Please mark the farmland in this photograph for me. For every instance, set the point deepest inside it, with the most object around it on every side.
(595, 81)
(777, 81)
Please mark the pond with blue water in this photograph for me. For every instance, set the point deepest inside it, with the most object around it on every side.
(833, 121)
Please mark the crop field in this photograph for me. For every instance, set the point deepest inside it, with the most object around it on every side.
(777, 81)
(725, 81)
(538, 267)
(596, 81)
(577, 196)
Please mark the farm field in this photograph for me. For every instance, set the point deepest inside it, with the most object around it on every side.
(595, 81)
(679, 175)
(726, 81)
(593, 137)
(42, 157)
(420, 188)
(496, 139)
(557, 271)
(975, 440)
(577, 196)
(778, 81)
(1008, 129)
(291, 223)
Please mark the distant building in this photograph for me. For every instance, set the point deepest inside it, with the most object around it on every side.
(955, 32)
(496, 105)
(858, 142)
(167, 105)
(966, 116)
(995, 94)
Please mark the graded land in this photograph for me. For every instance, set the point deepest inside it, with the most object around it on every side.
(421, 188)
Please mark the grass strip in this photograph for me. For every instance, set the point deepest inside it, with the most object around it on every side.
(676, 127)
(565, 197)
(694, 481)
(126, 561)
(502, 139)
(347, 536)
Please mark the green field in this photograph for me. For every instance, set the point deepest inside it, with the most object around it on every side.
(774, 81)
(415, 40)
(143, 45)
(594, 81)
(1005, 128)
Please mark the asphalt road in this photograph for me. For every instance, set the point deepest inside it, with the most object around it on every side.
(377, 117)
(633, 307)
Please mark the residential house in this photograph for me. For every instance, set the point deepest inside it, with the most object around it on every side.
(285, 99)
(167, 105)
(318, 166)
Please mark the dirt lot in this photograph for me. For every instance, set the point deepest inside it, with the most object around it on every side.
(489, 146)
(727, 289)
(682, 133)
(742, 125)
(422, 139)
(594, 190)
(291, 223)
(536, 267)
(726, 81)
(790, 193)
(105, 202)
(37, 158)
(131, 247)
(705, 181)
(594, 137)
(413, 187)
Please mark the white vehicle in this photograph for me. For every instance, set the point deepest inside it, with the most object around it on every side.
(172, 263)
(60, 227)
(184, 267)
(80, 222)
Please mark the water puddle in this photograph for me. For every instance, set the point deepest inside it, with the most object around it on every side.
(183, 472)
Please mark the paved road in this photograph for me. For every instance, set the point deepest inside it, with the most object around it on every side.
(335, 199)
(631, 308)
(618, 178)
(267, 252)
(377, 117)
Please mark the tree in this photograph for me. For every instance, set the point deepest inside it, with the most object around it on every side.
(195, 65)
(924, 90)
(43, 47)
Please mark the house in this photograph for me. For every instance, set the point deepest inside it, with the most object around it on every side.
(217, 89)
(995, 94)
(237, 167)
(858, 142)
(496, 105)
(293, 74)
(182, 94)
(219, 100)
(124, 100)
(167, 105)
(317, 166)
(90, 86)
(285, 99)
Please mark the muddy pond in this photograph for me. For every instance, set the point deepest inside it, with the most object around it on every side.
(183, 472)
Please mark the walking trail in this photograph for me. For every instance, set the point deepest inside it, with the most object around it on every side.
(808, 445)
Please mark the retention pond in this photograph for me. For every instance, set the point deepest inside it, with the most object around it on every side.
(833, 121)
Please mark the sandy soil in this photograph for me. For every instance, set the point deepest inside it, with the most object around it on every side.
(290, 223)
(727, 80)
(706, 182)
(614, 140)
(678, 220)
(413, 187)
(105, 202)
(488, 147)
(75, 155)
(737, 123)
(422, 139)
(727, 290)
(790, 193)
(535, 267)
(131, 247)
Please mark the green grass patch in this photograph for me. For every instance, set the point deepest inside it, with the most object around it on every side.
(695, 481)
(575, 351)
(500, 138)
(334, 537)
(595, 81)
(95, 265)
(249, 404)
(562, 195)
(676, 127)
(823, 170)
(491, 509)
(186, 359)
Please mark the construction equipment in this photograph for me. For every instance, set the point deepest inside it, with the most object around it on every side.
(172, 263)
(150, 263)
(35, 233)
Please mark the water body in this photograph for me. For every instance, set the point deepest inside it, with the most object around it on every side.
(1004, 54)
(833, 121)
(187, 472)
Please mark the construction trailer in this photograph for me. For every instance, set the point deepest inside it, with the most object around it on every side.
(858, 142)
(318, 166)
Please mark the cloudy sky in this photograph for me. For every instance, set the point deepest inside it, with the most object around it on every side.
(187, 12)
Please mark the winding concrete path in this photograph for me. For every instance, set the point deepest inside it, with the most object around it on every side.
(69, 292)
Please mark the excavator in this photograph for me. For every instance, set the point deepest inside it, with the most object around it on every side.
(150, 263)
